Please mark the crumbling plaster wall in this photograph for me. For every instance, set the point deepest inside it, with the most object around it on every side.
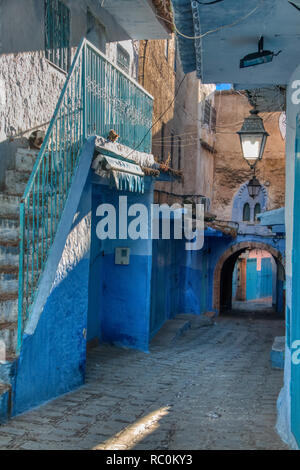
(182, 116)
(157, 76)
(231, 170)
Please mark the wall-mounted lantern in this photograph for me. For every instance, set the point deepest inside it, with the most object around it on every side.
(254, 187)
(253, 137)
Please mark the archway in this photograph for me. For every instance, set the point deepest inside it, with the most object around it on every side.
(222, 291)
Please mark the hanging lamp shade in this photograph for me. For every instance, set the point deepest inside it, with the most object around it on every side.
(254, 187)
(253, 137)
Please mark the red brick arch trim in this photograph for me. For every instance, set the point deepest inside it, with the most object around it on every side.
(231, 251)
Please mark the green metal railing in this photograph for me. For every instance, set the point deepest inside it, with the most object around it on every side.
(97, 96)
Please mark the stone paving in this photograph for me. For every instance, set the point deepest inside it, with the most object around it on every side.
(212, 388)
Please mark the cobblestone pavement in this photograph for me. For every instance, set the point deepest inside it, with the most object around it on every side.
(213, 388)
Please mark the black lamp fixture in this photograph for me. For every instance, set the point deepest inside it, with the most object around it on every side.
(257, 58)
(253, 137)
(254, 187)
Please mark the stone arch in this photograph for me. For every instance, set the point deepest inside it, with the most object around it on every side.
(237, 250)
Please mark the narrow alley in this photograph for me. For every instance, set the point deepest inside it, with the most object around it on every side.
(149, 244)
(210, 388)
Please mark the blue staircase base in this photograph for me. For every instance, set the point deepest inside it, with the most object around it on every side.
(277, 353)
(5, 402)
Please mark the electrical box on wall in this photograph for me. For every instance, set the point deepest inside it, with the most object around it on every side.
(122, 255)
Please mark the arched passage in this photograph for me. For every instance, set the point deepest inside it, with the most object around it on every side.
(222, 290)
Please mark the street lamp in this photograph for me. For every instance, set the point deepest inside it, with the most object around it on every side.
(253, 187)
(253, 137)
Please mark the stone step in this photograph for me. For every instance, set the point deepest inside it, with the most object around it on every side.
(8, 307)
(8, 335)
(9, 205)
(16, 181)
(9, 253)
(5, 402)
(278, 353)
(9, 228)
(8, 283)
(25, 159)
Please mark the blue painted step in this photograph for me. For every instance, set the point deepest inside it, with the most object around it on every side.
(277, 353)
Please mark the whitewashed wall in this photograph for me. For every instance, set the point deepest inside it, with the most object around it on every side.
(29, 84)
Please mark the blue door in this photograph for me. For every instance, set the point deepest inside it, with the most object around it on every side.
(259, 283)
(266, 287)
(159, 286)
(252, 280)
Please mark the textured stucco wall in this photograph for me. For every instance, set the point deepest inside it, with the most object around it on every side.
(29, 84)
(29, 90)
(231, 170)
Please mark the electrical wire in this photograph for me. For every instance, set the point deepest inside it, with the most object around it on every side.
(159, 118)
(239, 20)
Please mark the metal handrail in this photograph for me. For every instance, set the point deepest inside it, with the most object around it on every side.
(96, 97)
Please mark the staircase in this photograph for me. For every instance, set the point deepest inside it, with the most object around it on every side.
(15, 183)
(97, 97)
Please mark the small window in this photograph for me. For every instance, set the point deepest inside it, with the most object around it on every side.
(123, 59)
(213, 119)
(257, 210)
(57, 33)
(246, 212)
(207, 108)
(210, 116)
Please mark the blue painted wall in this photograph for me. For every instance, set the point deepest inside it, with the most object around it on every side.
(197, 274)
(294, 304)
(166, 282)
(4, 404)
(120, 296)
(52, 360)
